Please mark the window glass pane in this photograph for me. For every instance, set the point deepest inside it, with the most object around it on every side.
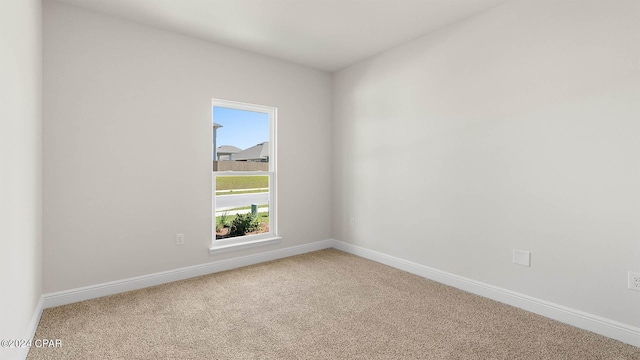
(240, 140)
(241, 205)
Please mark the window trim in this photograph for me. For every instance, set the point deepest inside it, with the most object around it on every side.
(242, 242)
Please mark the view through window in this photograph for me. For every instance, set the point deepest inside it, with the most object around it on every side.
(243, 172)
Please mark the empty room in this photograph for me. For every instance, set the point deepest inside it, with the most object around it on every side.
(320, 179)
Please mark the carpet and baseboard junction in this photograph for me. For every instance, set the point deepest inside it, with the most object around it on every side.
(324, 304)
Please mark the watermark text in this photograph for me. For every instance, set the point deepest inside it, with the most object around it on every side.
(39, 343)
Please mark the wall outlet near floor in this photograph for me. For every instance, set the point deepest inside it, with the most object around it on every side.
(521, 257)
(352, 222)
(179, 239)
(634, 281)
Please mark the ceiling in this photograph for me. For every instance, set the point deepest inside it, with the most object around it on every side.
(322, 34)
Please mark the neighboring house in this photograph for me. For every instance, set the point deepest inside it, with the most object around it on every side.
(258, 152)
(227, 152)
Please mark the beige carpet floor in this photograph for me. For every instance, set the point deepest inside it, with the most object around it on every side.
(321, 305)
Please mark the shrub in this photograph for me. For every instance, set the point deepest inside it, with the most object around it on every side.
(242, 224)
(223, 222)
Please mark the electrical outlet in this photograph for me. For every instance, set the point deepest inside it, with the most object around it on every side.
(634, 281)
(179, 239)
(521, 257)
(352, 222)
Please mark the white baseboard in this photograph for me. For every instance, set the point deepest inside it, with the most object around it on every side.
(599, 325)
(31, 328)
(139, 282)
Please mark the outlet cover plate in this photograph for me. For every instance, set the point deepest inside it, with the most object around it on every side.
(634, 281)
(521, 257)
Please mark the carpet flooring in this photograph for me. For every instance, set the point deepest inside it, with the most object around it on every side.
(321, 305)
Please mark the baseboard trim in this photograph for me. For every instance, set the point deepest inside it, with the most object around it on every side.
(139, 282)
(31, 328)
(599, 325)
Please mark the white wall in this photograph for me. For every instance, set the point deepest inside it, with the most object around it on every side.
(20, 167)
(127, 146)
(517, 128)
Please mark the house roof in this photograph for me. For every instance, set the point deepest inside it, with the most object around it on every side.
(257, 152)
(228, 149)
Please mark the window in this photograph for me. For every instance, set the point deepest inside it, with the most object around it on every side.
(244, 175)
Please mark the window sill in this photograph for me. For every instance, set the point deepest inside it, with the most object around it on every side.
(244, 245)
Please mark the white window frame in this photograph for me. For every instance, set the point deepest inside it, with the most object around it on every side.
(241, 242)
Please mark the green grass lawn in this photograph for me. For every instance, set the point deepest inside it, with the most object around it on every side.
(239, 192)
(241, 182)
(247, 207)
